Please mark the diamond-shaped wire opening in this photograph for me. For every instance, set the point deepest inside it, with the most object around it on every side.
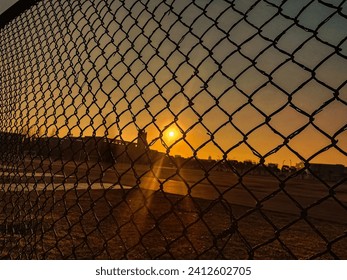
(139, 130)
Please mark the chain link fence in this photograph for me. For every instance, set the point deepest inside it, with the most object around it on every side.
(173, 130)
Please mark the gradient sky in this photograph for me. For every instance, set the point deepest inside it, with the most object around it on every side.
(227, 79)
(5, 4)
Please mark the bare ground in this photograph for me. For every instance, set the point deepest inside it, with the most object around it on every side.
(141, 224)
(165, 215)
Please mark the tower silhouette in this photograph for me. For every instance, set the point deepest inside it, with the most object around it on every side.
(142, 143)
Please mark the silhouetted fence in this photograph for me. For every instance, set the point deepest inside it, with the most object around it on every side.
(173, 130)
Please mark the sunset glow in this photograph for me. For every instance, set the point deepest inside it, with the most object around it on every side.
(246, 119)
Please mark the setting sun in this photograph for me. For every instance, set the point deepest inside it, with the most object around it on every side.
(172, 134)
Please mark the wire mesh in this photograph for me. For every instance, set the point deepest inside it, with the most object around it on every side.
(171, 130)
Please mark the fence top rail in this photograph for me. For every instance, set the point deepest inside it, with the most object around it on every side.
(15, 10)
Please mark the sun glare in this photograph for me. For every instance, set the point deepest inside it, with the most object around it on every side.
(171, 134)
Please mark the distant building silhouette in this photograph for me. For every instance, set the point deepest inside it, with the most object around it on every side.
(11, 146)
(14, 146)
(90, 148)
(329, 172)
(142, 143)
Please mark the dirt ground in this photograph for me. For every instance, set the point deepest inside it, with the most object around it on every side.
(141, 224)
(138, 220)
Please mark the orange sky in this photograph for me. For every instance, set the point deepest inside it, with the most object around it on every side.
(227, 89)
